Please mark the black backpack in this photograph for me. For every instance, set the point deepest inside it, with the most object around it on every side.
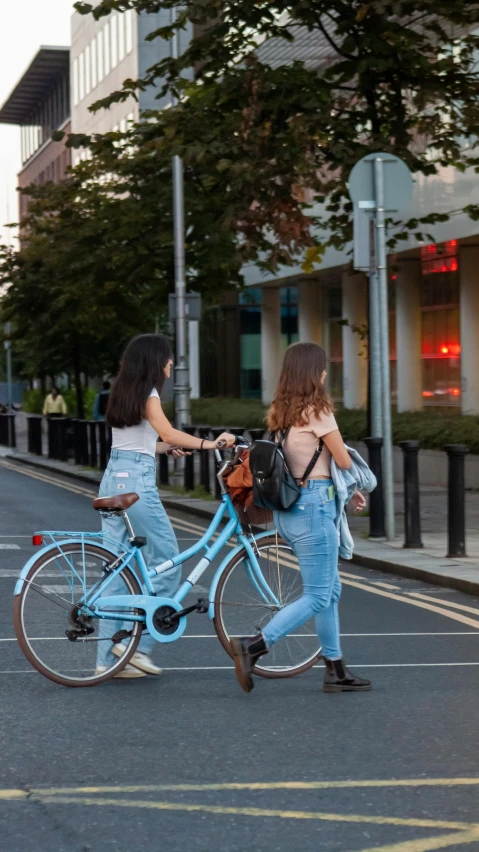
(274, 486)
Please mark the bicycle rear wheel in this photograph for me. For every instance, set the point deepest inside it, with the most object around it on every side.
(240, 609)
(45, 609)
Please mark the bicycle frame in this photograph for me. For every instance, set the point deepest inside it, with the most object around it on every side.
(95, 600)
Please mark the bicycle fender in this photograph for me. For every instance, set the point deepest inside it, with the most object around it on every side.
(222, 567)
(26, 568)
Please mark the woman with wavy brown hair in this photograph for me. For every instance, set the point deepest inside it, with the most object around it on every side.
(302, 411)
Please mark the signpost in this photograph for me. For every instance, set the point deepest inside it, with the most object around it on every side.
(379, 183)
(7, 344)
(182, 385)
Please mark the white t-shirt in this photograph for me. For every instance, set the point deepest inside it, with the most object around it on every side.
(137, 439)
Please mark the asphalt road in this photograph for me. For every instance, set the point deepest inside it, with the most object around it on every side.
(189, 762)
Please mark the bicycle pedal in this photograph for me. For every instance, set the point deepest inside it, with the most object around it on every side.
(202, 606)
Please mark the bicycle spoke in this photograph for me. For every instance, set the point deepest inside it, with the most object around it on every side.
(63, 639)
(241, 610)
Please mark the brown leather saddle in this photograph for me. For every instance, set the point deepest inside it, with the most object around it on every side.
(116, 503)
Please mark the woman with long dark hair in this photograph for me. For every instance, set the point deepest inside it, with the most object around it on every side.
(302, 410)
(137, 419)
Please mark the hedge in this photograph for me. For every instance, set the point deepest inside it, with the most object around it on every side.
(433, 427)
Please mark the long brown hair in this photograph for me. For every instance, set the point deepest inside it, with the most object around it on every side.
(300, 392)
(142, 368)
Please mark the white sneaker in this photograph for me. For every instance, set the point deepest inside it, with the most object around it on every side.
(140, 661)
(127, 672)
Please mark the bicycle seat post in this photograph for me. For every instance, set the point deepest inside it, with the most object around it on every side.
(129, 528)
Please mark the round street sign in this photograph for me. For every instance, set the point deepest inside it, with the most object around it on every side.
(397, 181)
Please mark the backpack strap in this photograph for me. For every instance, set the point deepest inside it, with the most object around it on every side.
(317, 453)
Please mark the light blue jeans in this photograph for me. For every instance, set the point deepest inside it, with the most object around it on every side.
(130, 471)
(309, 527)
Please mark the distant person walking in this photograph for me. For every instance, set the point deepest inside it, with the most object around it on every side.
(101, 402)
(54, 405)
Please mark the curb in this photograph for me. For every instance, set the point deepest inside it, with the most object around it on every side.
(461, 584)
(385, 565)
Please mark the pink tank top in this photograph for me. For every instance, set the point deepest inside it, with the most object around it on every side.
(302, 442)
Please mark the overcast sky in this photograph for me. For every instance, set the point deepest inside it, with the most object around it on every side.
(24, 27)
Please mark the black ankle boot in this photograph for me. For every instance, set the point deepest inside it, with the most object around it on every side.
(246, 652)
(337, 678)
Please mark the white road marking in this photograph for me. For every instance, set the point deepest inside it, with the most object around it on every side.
(299, 636)
(9, 547)
(231, 668)
(386, 585)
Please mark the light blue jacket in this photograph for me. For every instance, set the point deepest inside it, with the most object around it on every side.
(358, 478)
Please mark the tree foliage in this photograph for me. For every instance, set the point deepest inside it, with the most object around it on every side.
(392, 75)
(96, 258)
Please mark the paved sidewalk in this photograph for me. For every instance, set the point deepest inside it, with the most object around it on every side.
(429, 564)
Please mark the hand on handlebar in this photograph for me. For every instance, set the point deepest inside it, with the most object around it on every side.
(225, 440)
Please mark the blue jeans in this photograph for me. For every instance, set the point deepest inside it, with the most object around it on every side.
(130, 471)
(309, 527)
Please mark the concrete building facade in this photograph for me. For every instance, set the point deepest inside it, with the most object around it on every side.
(433, 296)
(40, 104)
(104, 54)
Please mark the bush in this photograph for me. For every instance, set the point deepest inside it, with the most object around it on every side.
(225, 411)
(433, 427)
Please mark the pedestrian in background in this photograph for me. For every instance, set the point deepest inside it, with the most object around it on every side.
(54, 405)
(303, 413)
(101, 402)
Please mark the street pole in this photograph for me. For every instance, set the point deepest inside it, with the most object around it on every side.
(381, 266)
(181, 386)
(9, 366)
(374, 344)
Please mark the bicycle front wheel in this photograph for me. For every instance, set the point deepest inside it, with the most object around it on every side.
(45, 611)
(243, 606)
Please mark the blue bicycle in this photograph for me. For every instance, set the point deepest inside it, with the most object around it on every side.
(67, 594)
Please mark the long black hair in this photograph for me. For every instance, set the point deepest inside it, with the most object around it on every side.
(142, 368)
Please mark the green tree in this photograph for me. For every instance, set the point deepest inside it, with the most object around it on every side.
(96, 259)
(394, 76)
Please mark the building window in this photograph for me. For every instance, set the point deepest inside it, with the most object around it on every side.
(75, 82)
(250, 343)
(121, 37)
(334, 339)
(123, 125)
(441, 349)
(99, 39)
(114, 41)
(440, 337)
(106, 48)
(289, 316)
(81, 76)
(87, 71)
(129, 30)
(94, 64)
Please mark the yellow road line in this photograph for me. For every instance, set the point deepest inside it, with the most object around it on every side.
(267, 785)
(403, 599)
(431, 843)
(452, 604)
(186, 526)
(10, 795)
(49, 479)
(257, 812)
